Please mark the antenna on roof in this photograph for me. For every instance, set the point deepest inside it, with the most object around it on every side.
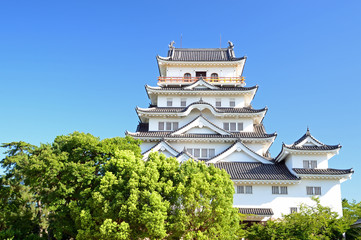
(181, 41)
(220, 41)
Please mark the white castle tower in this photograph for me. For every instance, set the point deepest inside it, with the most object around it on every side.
(202, 110)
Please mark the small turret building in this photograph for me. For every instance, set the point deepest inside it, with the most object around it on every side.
(201, 109)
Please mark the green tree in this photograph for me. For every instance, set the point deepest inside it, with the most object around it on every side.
(86, 188)
(160, 199)
(351, 213)
(311, 222)
(54, 176)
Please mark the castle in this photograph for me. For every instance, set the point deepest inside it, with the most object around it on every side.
(201, 109)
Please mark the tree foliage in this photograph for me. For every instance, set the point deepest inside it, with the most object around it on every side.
(311, 222)
(86, 188)
(351, 213)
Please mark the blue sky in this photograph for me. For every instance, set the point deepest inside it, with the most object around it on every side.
(82, 65)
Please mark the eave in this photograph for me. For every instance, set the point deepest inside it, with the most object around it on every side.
(285, 151)
(147, 112)
(262, 182)
(343, 177)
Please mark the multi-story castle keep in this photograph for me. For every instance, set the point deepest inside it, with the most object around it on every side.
(202, 110)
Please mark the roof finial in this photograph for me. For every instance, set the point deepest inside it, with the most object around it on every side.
(308, 131)
(171, 45)
(230, 44)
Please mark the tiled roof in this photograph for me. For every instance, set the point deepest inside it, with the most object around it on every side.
(259, 128)
(143, 127)
(323, 147)
(203, 89)
(307, 134)
(158, 144)
(201, 54)
(319, 145)
(166, 134)
(256, 171)
(256, 211)
(219, 109)
(328, 171)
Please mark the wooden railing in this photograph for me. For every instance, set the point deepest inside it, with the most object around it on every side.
(194, 79)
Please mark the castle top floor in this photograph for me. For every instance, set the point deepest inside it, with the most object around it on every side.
(184, 66)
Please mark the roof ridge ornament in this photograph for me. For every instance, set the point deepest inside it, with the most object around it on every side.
(230, 45)
(171, 47)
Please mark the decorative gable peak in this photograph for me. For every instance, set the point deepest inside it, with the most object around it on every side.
(198, 123)
(309, 141)
(185, 156)
(201, 84)
(162, 147)
(307, 144)
(235, 149)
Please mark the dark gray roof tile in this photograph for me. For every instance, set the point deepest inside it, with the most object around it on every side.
(256, 171)
(219, 110)
(207, 89)
(323, 147)
(201, 54)
(166, 134)
(328, 171)
(256, 211)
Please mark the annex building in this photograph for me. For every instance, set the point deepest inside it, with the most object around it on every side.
(201, 109)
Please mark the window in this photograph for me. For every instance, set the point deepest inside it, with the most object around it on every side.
(218, 102)
(232, 102)
(283, 190)
(244, 189)
(183, 102)
(309, 164)
(197, 152)
(211, 152)
(313, 190)
(214, 76)
(187, 75)
(161, 126)
(201, 74)
(168, 126)
(279, 190)
(233, 126)
(169, 102)
(293, 210)
(204, 153)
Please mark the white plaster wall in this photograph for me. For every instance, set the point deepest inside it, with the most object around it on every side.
(145, 146)
(296, 160)
(258, 147)
(239, 100)
(262, 197)
(166, 153)
(247, 122)
(203, 130)
(221, 71)
(239, 157)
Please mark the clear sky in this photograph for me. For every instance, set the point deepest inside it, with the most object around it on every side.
(82, 65)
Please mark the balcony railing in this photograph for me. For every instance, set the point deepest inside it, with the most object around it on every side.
(187, 80)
